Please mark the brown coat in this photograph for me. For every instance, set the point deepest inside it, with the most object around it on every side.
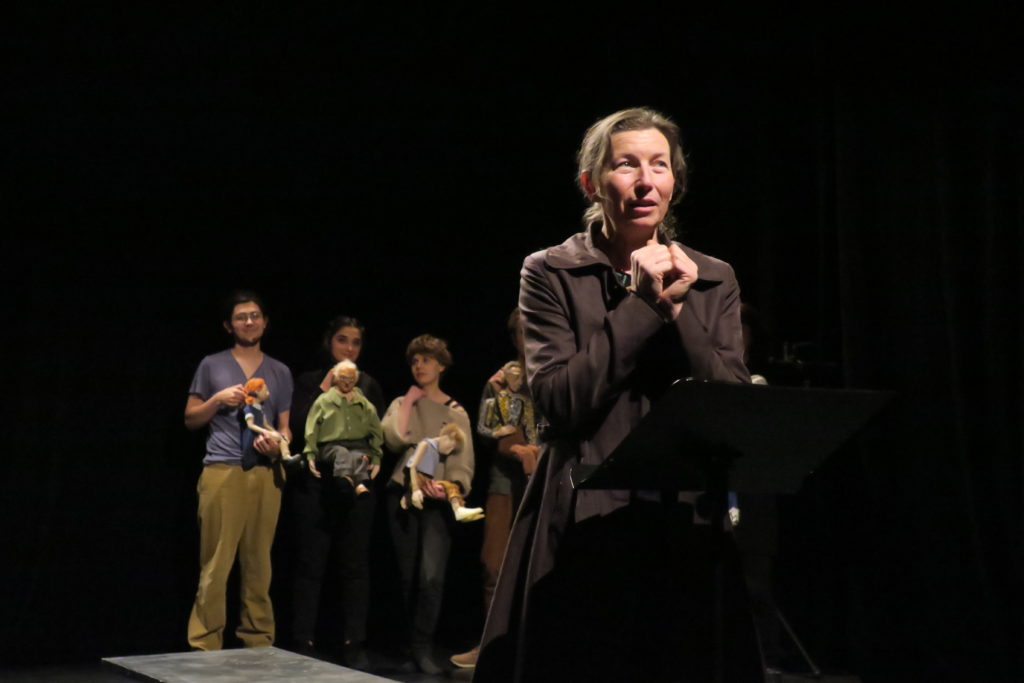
(596, 356)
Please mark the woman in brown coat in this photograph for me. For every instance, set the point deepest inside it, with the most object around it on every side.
(614, 585)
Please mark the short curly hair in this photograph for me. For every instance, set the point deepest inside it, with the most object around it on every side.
(429, 345)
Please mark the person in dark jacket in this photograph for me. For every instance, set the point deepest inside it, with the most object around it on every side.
(614, 585)
(323, 516)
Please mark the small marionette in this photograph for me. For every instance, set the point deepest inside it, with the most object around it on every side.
(509, 415)
(422, 465)
(256, 392)
(343, 428)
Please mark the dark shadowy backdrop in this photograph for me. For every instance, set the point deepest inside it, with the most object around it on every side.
(863, 174)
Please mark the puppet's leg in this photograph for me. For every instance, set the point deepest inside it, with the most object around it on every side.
(267, 431)
(361, 474)
(344, 466)
(281, 441)
(462, 513)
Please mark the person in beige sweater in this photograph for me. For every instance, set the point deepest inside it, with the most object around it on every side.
(422, 538)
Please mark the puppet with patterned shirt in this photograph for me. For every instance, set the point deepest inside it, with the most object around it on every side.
(509, 412)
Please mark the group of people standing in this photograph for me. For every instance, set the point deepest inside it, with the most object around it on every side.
(322, 418)
(596, 585)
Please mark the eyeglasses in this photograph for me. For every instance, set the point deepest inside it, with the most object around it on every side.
(255, 316)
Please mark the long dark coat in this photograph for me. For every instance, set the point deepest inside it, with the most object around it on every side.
(587, 587)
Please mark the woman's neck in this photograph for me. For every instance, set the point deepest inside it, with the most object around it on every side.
(434, 393)
(619, 245)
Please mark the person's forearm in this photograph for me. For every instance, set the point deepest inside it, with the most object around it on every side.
(573, 379)
(198, 413)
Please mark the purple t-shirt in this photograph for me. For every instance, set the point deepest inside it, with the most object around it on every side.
(221, 370)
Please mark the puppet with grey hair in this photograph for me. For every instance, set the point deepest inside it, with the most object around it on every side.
(422, 465)
(343, 431)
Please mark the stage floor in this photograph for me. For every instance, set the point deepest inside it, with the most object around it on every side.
(252, 665)
(109, 672)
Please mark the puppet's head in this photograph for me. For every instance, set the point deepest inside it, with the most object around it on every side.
(345, 375)
(513, 371)
(256, 390)
(451, 438)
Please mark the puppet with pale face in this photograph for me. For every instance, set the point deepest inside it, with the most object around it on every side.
(343, 430)
(421, 467)
(256, 392)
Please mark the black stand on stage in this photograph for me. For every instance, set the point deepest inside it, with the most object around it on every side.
(716, 438)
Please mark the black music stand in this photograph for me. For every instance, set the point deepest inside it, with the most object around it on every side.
(771, 437)
(717, 437)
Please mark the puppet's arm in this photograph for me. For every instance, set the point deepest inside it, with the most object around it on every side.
(313, 419)
(415, 485)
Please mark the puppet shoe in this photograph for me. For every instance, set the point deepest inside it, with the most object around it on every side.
(469, 514)
(467, 660)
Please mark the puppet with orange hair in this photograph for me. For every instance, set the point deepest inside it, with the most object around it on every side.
(256, 392)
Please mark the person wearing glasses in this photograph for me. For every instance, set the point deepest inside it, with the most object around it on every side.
(238, 505)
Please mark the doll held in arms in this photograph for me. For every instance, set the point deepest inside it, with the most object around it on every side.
(421, 467)
(256, 392)
(343, 431)
(509, 416)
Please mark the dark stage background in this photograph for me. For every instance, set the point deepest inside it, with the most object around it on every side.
(863, 175)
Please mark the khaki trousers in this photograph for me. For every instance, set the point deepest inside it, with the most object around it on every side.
(237, 515)
(497, 527)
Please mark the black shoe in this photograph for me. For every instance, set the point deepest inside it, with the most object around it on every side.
(355, 656)
(424, 659)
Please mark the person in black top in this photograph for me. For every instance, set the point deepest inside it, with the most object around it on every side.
(325, 517)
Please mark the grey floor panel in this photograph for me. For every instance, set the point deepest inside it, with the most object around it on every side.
(252, 665)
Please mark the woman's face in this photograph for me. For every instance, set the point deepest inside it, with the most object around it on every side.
(425, 369)
(636, 187)
(346, 344)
